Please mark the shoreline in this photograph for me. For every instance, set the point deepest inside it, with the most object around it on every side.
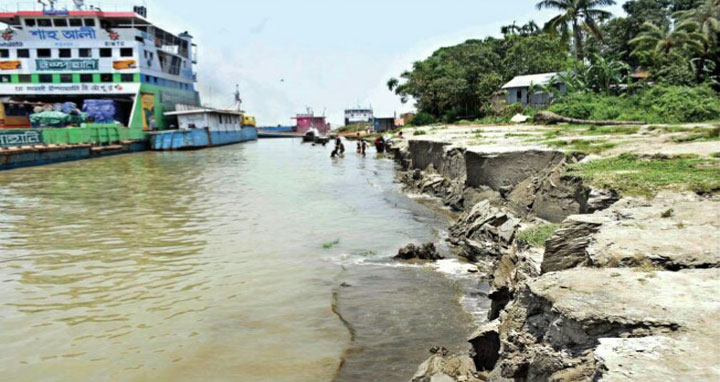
(538, 327)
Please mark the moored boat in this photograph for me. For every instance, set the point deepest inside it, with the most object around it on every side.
(78, 82)
(202, 128)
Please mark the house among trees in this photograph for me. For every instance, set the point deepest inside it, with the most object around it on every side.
(531, 90)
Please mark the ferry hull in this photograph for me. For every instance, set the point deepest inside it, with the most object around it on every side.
(18, 157)
(200, 138)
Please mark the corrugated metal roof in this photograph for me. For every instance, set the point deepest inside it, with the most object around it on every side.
(525, 81)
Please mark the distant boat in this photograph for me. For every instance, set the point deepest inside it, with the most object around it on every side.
(310, 135)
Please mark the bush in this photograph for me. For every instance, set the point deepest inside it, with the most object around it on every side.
(682, 104)
(422, 119)
(659, 104)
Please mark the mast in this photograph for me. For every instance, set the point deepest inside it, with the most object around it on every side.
(237, 106)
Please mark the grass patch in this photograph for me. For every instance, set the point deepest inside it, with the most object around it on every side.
(582, 145)
(671, 128)
(610, 130)
(632, 175)
(537, 236)
(510, 135)
(331, 244)
(703, 134)
(419, 132)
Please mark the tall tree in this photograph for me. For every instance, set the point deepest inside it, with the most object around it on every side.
(576, 17)
(706, 20)
(664, 41)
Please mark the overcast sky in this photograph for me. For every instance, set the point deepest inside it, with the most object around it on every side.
(287, 55)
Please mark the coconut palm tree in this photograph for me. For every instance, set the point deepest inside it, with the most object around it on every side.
(663, 41)
(576, 18)
(705, 20)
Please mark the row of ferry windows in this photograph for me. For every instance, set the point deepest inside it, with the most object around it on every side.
(163, 82)
(68, 53)
(89, 77)
(60, 22)
(68, 78)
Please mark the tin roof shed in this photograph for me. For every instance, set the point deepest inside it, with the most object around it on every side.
(526, 81)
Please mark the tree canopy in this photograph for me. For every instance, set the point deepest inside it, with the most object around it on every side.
(672, 42)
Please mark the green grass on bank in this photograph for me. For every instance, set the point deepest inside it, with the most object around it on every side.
(354, 128)
(700, 135)
(582, 145)
(537, 236)
(633, 175)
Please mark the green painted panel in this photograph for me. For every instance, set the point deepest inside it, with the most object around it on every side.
(91, 133)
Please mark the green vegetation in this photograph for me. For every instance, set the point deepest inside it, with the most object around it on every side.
(582, 145)
(331, 244)
(422, 119)
(354, 128)
(660, 104)
(702, 134)
(536, 236)
(610, 130)
(633, 175)
(659, 63)
(419, 132)
(458, 82)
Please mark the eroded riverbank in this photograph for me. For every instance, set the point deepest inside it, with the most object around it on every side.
(621, 287)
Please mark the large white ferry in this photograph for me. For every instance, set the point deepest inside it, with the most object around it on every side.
(116, 66)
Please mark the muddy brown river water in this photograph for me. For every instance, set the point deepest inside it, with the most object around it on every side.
(265, 261)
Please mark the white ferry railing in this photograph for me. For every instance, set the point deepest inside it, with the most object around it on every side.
(104, 5)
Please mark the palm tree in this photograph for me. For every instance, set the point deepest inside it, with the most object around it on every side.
(393, 83)
(705, 20)
(662, 41)
(577, 16)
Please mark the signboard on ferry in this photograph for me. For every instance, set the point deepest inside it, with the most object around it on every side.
(10, 138)
(82, 33)
(83, 88)
(66, 65)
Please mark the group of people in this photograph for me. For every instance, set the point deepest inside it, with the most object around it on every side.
(380, 145)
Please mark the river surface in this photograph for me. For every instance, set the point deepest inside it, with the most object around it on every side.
(264, 261)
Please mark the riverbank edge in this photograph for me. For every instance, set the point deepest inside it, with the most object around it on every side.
(554, 314)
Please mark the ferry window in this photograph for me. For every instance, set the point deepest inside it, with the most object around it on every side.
(127, 52)
(140, 39)
(60, 22)
(66, 78)
(23, 53)
(65, 53)
(44, 23)
(5, 78)
(84, 52)
(89, 22)
(106, 77)
(45, 78)
(105, 52)
(44, 53)
(30, 22)
(76, 22)
(25, 78)
(127, 77)
(86, 77)
(4, 53)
